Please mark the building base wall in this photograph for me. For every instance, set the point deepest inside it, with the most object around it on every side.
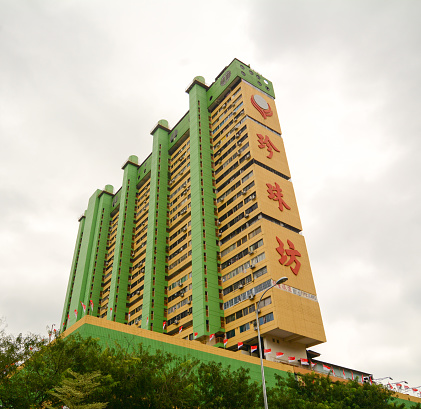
(109, 333)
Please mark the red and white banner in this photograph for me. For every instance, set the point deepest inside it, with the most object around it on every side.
(253, 348)
(163, 325)
(147, 321)
(313, 364)
(195, 335)
(352, 375)
(76, 313)
(225, 342)
(343, 373)
(291, 359)
(128, 318)
(279, 354)
(212, 336)
(240, 345)
(91, 304)
(333, 372)
(180, 329)
(304, 361)
(268, 351)
(326, 368)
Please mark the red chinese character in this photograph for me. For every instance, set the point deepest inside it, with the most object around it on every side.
(291, 252)
(275, 193)
(265, 142)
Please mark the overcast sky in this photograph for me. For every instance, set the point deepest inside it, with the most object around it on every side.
(83, 82)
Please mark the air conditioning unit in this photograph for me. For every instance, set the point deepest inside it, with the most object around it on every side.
(239, 153)
(251, 296)
(252, 265)
(176, 322)
(248, 156)
(218, 223)
(246, 215)
(180, 284)
(219, 234)
(235, 119)
(137, 292)
(240, 286)
(239, 143)
(182, 294)
(185, 228)
(221, 199)
(253, 197)
(251, 251)
(237, 135)
(189, 302)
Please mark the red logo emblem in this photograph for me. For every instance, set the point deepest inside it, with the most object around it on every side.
(261, 105)
(291, 252)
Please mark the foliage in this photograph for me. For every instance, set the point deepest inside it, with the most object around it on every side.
(76, 390)
(79, 373)
(314, 391)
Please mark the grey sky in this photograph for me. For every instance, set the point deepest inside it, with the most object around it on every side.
(83, 82)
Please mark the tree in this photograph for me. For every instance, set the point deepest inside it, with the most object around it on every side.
(314, 391)
(76, 390)
(220, 388)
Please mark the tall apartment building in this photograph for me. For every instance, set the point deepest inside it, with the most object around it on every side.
(201, 228)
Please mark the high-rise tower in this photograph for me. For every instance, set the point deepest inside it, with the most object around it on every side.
(201, 228)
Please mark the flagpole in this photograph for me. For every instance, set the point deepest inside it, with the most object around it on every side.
(265, 399)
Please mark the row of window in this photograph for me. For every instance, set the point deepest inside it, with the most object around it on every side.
(262, 320)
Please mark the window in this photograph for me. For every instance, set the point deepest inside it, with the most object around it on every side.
(230, 334)
(244, 327)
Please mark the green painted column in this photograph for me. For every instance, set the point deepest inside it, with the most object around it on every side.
(154, 297)
(87, 251)
(124, 244)
(69, 293)
(204, 248)
(96, 265)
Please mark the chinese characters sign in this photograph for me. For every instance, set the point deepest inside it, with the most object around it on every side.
(275, 193)
(291, 253)
(265, 142)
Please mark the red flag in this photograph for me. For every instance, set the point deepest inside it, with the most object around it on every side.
(406, 386)
(180, 329)
(68, 316)
(64, 324)
(111, 309)
(415, 389)
(399, 384)
(343, 373)
(253, 349)
(195, 335)
(390, 386)
(333, 372)
(352, 375)
(147, 321)
(240, 345)
(91, 303)
(279, 354)
(313, 364)
(225, 342)
(128, 318)
(291, 358)
(304, 361)
(326, 368)
(76, 313)
(84, 307)
(268, 351)
(211, 337)
(163, 325)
